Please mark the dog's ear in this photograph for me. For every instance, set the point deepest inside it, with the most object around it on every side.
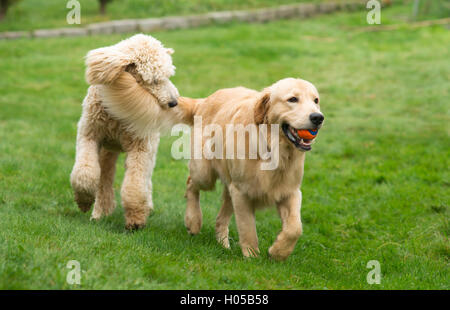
(104, 65)
(261, 107)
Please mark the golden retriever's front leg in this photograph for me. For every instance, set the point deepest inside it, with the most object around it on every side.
(134, 192)
(104, 200)
(245, 221)
(223, 219)
(193, 215)
(289, 210)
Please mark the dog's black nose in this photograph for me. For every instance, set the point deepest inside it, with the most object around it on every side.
(173, 104)
(316, 118)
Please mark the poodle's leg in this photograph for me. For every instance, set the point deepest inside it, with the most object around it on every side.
(134, 192)
(223, 219)
(193, 216)
(85, 174)
(289, 210)
(104, 200)
(245, 220)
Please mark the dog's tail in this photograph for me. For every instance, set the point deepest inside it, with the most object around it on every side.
(186, 109)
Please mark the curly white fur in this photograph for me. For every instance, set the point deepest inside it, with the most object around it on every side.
(153, 61)
(126, 107)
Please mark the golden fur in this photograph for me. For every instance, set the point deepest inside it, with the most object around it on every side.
(246, 187)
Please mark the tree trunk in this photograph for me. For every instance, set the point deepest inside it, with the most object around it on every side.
(427, 7)
(3, 8)
(416, 6)
(103, 7)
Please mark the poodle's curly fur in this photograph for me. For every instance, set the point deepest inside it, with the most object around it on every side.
(126, 107)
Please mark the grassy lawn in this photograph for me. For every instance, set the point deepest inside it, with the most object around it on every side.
(376, 185)
(35, 14)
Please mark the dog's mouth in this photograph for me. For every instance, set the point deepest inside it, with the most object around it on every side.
(292, 135)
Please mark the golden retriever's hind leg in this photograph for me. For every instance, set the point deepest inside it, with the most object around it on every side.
(85, 173)
(289, 210)
(223, 219)
(193, 216)
(104, 200)
(244, 213)
(134, 192)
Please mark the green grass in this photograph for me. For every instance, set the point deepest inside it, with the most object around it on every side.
(376, 185)
(37, 14)
(433, 8)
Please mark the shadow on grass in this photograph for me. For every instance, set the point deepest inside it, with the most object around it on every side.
(160, 232)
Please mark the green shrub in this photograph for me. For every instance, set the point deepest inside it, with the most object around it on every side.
(103, 4)
(4, 5)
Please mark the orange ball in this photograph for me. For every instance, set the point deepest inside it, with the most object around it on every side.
(307, 133)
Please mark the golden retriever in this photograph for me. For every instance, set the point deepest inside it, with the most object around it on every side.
(291, 104)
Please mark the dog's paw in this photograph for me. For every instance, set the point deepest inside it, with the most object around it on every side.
(84, 200)
(223, 240)
(249, 252)
(96, 215)
(134, 224)
(134, 227)
(277, 254)
(102, 207)
(84, 181)
(193, 224)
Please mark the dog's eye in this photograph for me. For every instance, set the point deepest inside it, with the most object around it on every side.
(316, 100)
(293, 99)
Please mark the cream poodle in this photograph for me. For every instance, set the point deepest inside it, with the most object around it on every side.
(125, 109)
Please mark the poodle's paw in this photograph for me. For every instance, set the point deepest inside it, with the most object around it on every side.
(102, 207)
(84, 181)
(97, 214)
(135, 221)
(134, 226)
(84, 200)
